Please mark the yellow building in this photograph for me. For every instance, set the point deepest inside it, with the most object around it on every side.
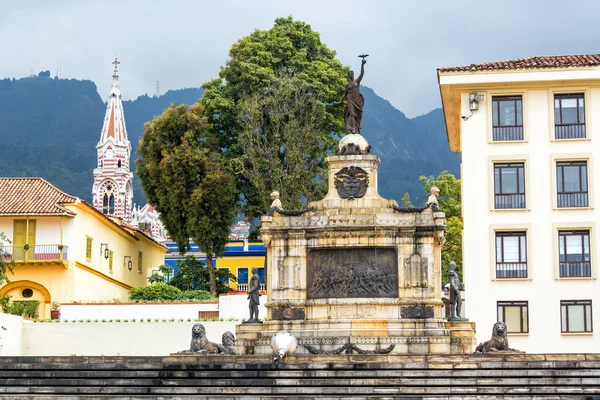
(239, 258)
(65, 250)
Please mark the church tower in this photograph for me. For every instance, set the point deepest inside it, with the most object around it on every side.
(113, 191)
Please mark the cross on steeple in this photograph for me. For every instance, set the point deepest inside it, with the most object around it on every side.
(116, 63)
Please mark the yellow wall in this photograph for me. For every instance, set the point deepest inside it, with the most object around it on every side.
(79, 279)
(240, 261)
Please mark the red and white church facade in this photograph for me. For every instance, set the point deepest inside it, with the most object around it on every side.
(113, 180)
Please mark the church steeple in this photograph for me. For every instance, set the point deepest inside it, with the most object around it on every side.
(112, 191)
(114, 121)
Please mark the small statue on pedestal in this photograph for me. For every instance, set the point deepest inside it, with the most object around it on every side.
(254, 297)
(432, 201)
(455, 297)
(276, 204)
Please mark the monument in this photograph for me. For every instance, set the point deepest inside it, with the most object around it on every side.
(354, 272)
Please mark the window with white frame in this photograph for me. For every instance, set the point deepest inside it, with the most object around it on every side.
(515, 314)
(569, 116)
(511, 254)
(574, 253)
(576, 316)
(509, 185)
(507, 118)
(572, 184)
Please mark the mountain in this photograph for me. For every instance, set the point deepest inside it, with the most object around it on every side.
(408, 147)
(49, 127)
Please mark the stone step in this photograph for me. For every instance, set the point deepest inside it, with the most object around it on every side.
(334, 374)
(330, 382)
(299, 390)
(334, 377)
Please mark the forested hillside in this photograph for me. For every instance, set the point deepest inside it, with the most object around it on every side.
(50, 127)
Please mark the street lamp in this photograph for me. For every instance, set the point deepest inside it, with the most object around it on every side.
(106, 251)
(129, 263)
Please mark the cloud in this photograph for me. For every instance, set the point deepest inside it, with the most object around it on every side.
(183, 43)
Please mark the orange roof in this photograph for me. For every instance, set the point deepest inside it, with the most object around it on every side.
(565, 61)
(32, 196)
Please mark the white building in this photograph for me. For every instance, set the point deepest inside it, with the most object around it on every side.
(529, 131)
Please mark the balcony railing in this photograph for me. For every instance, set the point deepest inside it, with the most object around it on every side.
(507, 133)
(575, 269)
(503, 201)
(575, 131)
(243, 287)
(37, 253)
(575, 199)
(511, 270)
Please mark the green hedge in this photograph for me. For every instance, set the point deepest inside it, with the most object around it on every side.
(159, 291)
(27, 308)
(196, 295)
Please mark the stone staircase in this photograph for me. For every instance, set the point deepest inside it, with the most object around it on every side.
(514, 376)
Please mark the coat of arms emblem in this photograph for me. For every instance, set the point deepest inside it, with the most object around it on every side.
(351, 182)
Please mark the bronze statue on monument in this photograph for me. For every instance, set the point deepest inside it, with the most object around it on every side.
(356, 101)
(455, 296)
(254, 297)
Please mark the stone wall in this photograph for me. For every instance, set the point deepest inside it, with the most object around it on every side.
(114, 338)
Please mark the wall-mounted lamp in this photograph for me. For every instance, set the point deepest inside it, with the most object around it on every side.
(129, 263)
(106, 251)
(474, 99)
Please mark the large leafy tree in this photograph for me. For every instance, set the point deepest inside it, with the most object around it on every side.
(450, 203)
(192, 274)
(288, 57)
(182, 174)
(282, 143)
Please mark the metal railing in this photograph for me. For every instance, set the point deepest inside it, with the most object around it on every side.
(503, 201)
(511, 270)
(507, 133)
(575, 269)
(574, 131)
(575, 199)
(37, 253)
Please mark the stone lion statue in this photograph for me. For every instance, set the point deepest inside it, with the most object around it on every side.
(201, 345)
(227, 343)
(498, 342)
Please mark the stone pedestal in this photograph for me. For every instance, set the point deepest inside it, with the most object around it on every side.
(356, 269)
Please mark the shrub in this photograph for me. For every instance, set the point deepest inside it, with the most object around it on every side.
(196, 295)
(24, 308)
(158, 291)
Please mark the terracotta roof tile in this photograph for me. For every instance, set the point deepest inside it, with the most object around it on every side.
(32, 196)
(565, 61)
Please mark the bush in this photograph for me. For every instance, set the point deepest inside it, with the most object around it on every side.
(158, 291)
(24, 308)
(196, 295)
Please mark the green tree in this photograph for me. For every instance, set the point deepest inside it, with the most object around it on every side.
(156, 277)
(192, 274)
(6, 266)
(449, 198)
(283, 146)
(236, 103)
(450, 203)
(406, 200)
(182, 174)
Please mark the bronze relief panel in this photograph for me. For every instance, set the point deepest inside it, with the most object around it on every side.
(352, 272)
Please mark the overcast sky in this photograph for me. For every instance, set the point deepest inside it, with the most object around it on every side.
(182, 43)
